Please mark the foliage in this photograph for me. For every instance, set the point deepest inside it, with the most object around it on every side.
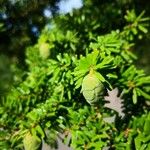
(66, 70)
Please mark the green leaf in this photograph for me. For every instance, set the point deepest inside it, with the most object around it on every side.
(138, 142)
(78, 83)
(143, 93)
(104, 63)
(142, 28)
(143, 80)
(40, 131)
(147, 127)
(100, 77)
(134, 96)
(110, 75)
(94, 57)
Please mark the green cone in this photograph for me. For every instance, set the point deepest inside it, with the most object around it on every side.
(31, 142)
(92, 88)
(44, 50)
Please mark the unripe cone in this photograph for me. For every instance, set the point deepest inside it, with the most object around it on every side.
(92, 88)
(44, 50)
(30, 142)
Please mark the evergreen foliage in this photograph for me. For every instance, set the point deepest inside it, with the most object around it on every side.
(71, 66)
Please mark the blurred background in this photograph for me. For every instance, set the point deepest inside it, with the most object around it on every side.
(21, 22)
